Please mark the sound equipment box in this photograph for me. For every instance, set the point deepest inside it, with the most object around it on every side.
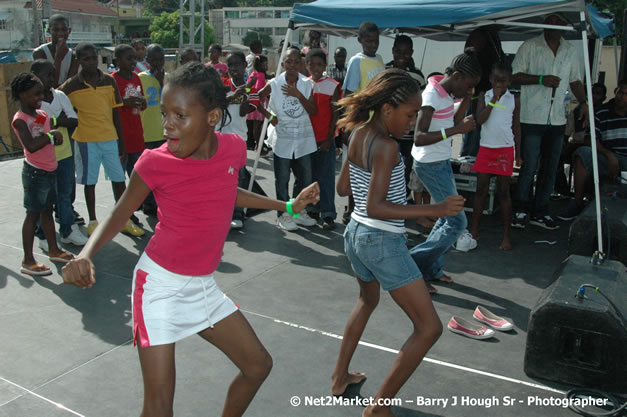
(581, 341)
(582, 236)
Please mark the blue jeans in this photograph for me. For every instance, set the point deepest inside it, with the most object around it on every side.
(429, 255)
(302, 173)
(65, 185)
(541, 147)
(323, 171)
(238, 212)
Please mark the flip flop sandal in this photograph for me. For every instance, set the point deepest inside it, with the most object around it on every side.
(36, 270)
(65, 257)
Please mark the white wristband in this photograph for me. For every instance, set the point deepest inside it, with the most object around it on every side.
(443, 133)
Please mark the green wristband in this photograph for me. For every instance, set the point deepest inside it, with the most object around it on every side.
(54, 121)
(51, 136)
(288, 208)
(540, 80)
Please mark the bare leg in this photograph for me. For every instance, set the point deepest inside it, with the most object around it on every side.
(483, 185)
(506, 210)
(90, 199)
(118, 189)
(416, 303)
(366, 303)
(159, 372)
(28, 236)
(47, 225)
(234, 336)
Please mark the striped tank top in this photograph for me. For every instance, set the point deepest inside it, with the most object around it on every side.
(360, 183)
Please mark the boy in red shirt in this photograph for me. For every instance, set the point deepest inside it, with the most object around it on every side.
(130, 88)
(326, 92)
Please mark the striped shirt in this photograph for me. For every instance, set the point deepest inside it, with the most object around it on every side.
(611, 130)
(360, 183)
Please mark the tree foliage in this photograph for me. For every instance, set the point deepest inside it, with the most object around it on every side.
(266, 40)
(164, 30)
(156, 7)
(616, 7)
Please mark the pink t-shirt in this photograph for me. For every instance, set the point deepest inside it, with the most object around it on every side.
(45, 158)
(196, 200)
(261, 80)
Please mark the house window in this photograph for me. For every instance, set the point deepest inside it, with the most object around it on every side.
(232, 14)
(248, 15)
(264, 14)
(5, 25)
(280, 31)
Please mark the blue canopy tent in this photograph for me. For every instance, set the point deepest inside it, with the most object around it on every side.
(444, 20)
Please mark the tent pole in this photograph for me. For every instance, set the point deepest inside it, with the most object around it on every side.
(616, 56)
(593, 136)
(264, 127)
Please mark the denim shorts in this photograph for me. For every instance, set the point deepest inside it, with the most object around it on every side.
(381, 255)
(585, 153)
(39, 188)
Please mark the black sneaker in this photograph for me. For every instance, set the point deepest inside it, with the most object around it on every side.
(519, 220)
(571, 212)
(545, 221)
(328, 223)
(78, 219)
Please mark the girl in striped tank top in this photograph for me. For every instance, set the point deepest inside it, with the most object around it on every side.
(375, 239)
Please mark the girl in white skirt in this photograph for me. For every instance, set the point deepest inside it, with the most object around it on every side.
(194, 179)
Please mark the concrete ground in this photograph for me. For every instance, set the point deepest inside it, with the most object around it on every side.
(67, 351)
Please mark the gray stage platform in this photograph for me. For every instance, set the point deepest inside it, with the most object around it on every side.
(67, 351)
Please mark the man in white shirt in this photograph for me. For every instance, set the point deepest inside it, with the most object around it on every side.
(545, 67)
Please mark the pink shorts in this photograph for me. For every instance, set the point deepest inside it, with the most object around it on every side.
(169, 307)
(498, 161)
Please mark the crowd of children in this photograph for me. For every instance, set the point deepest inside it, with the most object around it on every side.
(163, 130)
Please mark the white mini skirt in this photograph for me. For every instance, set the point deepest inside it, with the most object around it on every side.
(168, 307)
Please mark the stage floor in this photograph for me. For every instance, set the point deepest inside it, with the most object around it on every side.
(67, 351)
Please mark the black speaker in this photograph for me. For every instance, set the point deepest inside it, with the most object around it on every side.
(582, 236)
(581, 341)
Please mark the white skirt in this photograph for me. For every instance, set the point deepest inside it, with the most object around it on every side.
(168, 307)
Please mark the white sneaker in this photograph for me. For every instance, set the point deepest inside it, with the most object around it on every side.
(76, 237)
(303, 219)
(237, 224)
(465, 242)
(286, 222)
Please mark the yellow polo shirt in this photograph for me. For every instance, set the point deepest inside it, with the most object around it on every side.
(94, 105)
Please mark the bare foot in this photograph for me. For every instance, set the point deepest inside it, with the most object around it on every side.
(445, 278)
(338, 386)
(506, 245)
(382, 412)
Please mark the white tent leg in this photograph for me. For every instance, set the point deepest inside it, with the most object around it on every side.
(593, 137)
(264, 128)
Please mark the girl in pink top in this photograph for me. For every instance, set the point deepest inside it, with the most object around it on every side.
(256, 118)
(194, 179)
(32, 128)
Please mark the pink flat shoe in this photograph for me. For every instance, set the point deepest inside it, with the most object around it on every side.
(460, 326)
(484, 315)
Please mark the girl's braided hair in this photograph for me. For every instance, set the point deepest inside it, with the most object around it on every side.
(23, 82)
(392, 86)
(206, 83)
(467, 64)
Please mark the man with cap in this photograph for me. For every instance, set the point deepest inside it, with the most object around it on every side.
(545, 67)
